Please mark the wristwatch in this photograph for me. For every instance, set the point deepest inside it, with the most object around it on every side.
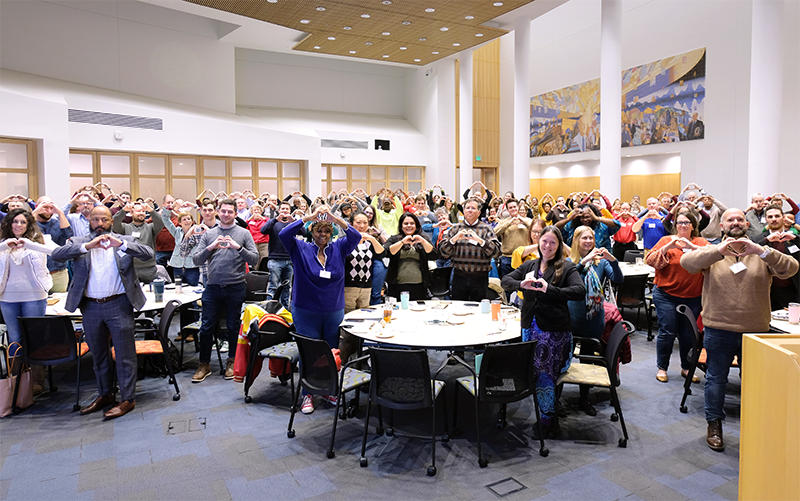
(765, 253)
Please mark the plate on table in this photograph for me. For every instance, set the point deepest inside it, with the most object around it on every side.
(780, 315)
(462, 313)
(417, 307)
(384, 335)
(456, 321)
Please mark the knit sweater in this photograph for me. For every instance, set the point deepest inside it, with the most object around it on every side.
(737, 302)
(467, 257)
(513, 235)
(226, 266)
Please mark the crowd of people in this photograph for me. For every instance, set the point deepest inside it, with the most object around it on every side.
(556, 257)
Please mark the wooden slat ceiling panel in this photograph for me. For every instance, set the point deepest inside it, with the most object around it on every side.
(406, 22)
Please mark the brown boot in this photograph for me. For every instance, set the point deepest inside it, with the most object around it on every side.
(39, 373)
(714, 438)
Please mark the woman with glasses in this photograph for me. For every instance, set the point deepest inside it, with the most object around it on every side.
(673, 286)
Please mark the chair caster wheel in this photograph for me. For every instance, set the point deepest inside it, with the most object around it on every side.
(363, 462)
(623, 442)
(431, 471)
(171, 380)
(76, 407)
(483, 462)
(176, 397)
(615, 417)
(390, 432)
(53, 389)
(283, 383)
(544, 452)
(330, 454)
(248, 399)
(290, 434)
(457, 432)
(351, 412)
(379, 430)
(684, 409)
(445, 438)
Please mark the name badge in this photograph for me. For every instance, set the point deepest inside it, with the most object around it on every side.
(792, 249)
(651, 225)
(136, 234)
(473, 242)
(325, 274)
(738, 267)
(47, 238)
(763, 220)
(522, 227)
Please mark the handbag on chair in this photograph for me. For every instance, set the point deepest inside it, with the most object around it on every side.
(8, 383)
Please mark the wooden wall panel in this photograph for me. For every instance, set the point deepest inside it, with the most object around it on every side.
(644, 186)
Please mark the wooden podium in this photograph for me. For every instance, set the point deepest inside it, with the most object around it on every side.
(769, 454)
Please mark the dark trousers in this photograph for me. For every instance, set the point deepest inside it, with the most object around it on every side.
(619, 250)
(215, 298)
(469, 286)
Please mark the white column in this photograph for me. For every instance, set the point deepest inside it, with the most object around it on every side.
(610, 97)
(446, 125)
(522, 105)
(766, 77)
(465, 121)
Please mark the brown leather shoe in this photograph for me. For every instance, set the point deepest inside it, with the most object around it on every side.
(714, 438)
(98, 404)
(120, 409)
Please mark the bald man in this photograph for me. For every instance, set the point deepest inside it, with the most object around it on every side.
(105, 288)
(736, 299)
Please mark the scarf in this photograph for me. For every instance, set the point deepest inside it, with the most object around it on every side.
(594, 292)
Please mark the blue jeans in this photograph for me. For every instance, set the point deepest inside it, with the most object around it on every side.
(505, 266)
(721, 346)
(280, 270)
(378, 278)
(215, 298)
(672, 324)
(318, 324)
(12, 311)
(190, 276)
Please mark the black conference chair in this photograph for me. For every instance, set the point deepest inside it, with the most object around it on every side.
(51, 341)
(270, 337)
(506, 374)
(632, 294)
(631, 255)
(257, 282)
(439, 286)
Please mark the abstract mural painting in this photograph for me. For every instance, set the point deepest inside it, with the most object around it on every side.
(663, 103)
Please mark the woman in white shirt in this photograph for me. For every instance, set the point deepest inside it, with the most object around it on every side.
(24, 279)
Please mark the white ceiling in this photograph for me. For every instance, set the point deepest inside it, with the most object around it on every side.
(258, 35)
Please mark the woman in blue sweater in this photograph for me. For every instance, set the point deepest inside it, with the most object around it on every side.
(318, 290)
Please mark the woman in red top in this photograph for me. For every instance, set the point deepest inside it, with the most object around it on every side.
(254, 225)
(673, 286)
(625, 238)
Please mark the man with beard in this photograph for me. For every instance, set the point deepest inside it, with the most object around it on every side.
(227, 248)
(782, 291)
(142, 232)
(104, 287)
(59, 230)
(589, 215)
(736, 299)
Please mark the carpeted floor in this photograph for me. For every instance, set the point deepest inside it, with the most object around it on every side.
(212, 445)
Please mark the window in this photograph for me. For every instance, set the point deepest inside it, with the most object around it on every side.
(183, 176)
(372, 178)
(18, 168)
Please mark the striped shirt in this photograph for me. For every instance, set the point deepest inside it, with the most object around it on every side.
(466, 256)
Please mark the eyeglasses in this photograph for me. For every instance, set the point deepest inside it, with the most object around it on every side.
(536, 233)
(683, 223)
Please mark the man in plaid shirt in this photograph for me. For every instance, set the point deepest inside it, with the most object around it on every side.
(471, 246)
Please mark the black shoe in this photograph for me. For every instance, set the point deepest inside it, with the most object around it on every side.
(587, 407)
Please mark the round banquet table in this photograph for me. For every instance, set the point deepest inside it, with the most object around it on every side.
(436, 325)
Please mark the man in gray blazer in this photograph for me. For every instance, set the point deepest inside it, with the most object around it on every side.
(105, 288)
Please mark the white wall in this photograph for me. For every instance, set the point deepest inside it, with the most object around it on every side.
(630, 166)
(565, 51)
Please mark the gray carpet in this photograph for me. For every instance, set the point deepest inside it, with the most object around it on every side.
(211, 445)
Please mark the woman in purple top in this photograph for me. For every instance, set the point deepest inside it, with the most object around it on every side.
(318, 290)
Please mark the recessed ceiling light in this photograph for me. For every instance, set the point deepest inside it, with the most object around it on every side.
(352, 52)
(435, 52)
(386, 33)
(347, 27)
(417, 60)
(365, 16)
(469, 17)
(317, 47)
(321, 9)
(367, 43)
(386, 55)
(423, 39)
(331, 38)
(498, 4)
(387, 2)
(406, 23)
(304, 21)
(272, 1)
(444, 28)
(403, 48)
(430, 10)
(478, 34)
(456, 45)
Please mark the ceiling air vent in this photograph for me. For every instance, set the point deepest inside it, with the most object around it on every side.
(114, 120)
(353, 145)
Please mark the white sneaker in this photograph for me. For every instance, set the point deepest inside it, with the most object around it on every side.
(224, 347)
(308, 405)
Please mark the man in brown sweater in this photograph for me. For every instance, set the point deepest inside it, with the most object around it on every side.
(736, 299)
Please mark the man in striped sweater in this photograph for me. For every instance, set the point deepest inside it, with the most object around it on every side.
(471, 246)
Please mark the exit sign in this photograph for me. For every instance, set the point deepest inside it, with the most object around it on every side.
(478, 158)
